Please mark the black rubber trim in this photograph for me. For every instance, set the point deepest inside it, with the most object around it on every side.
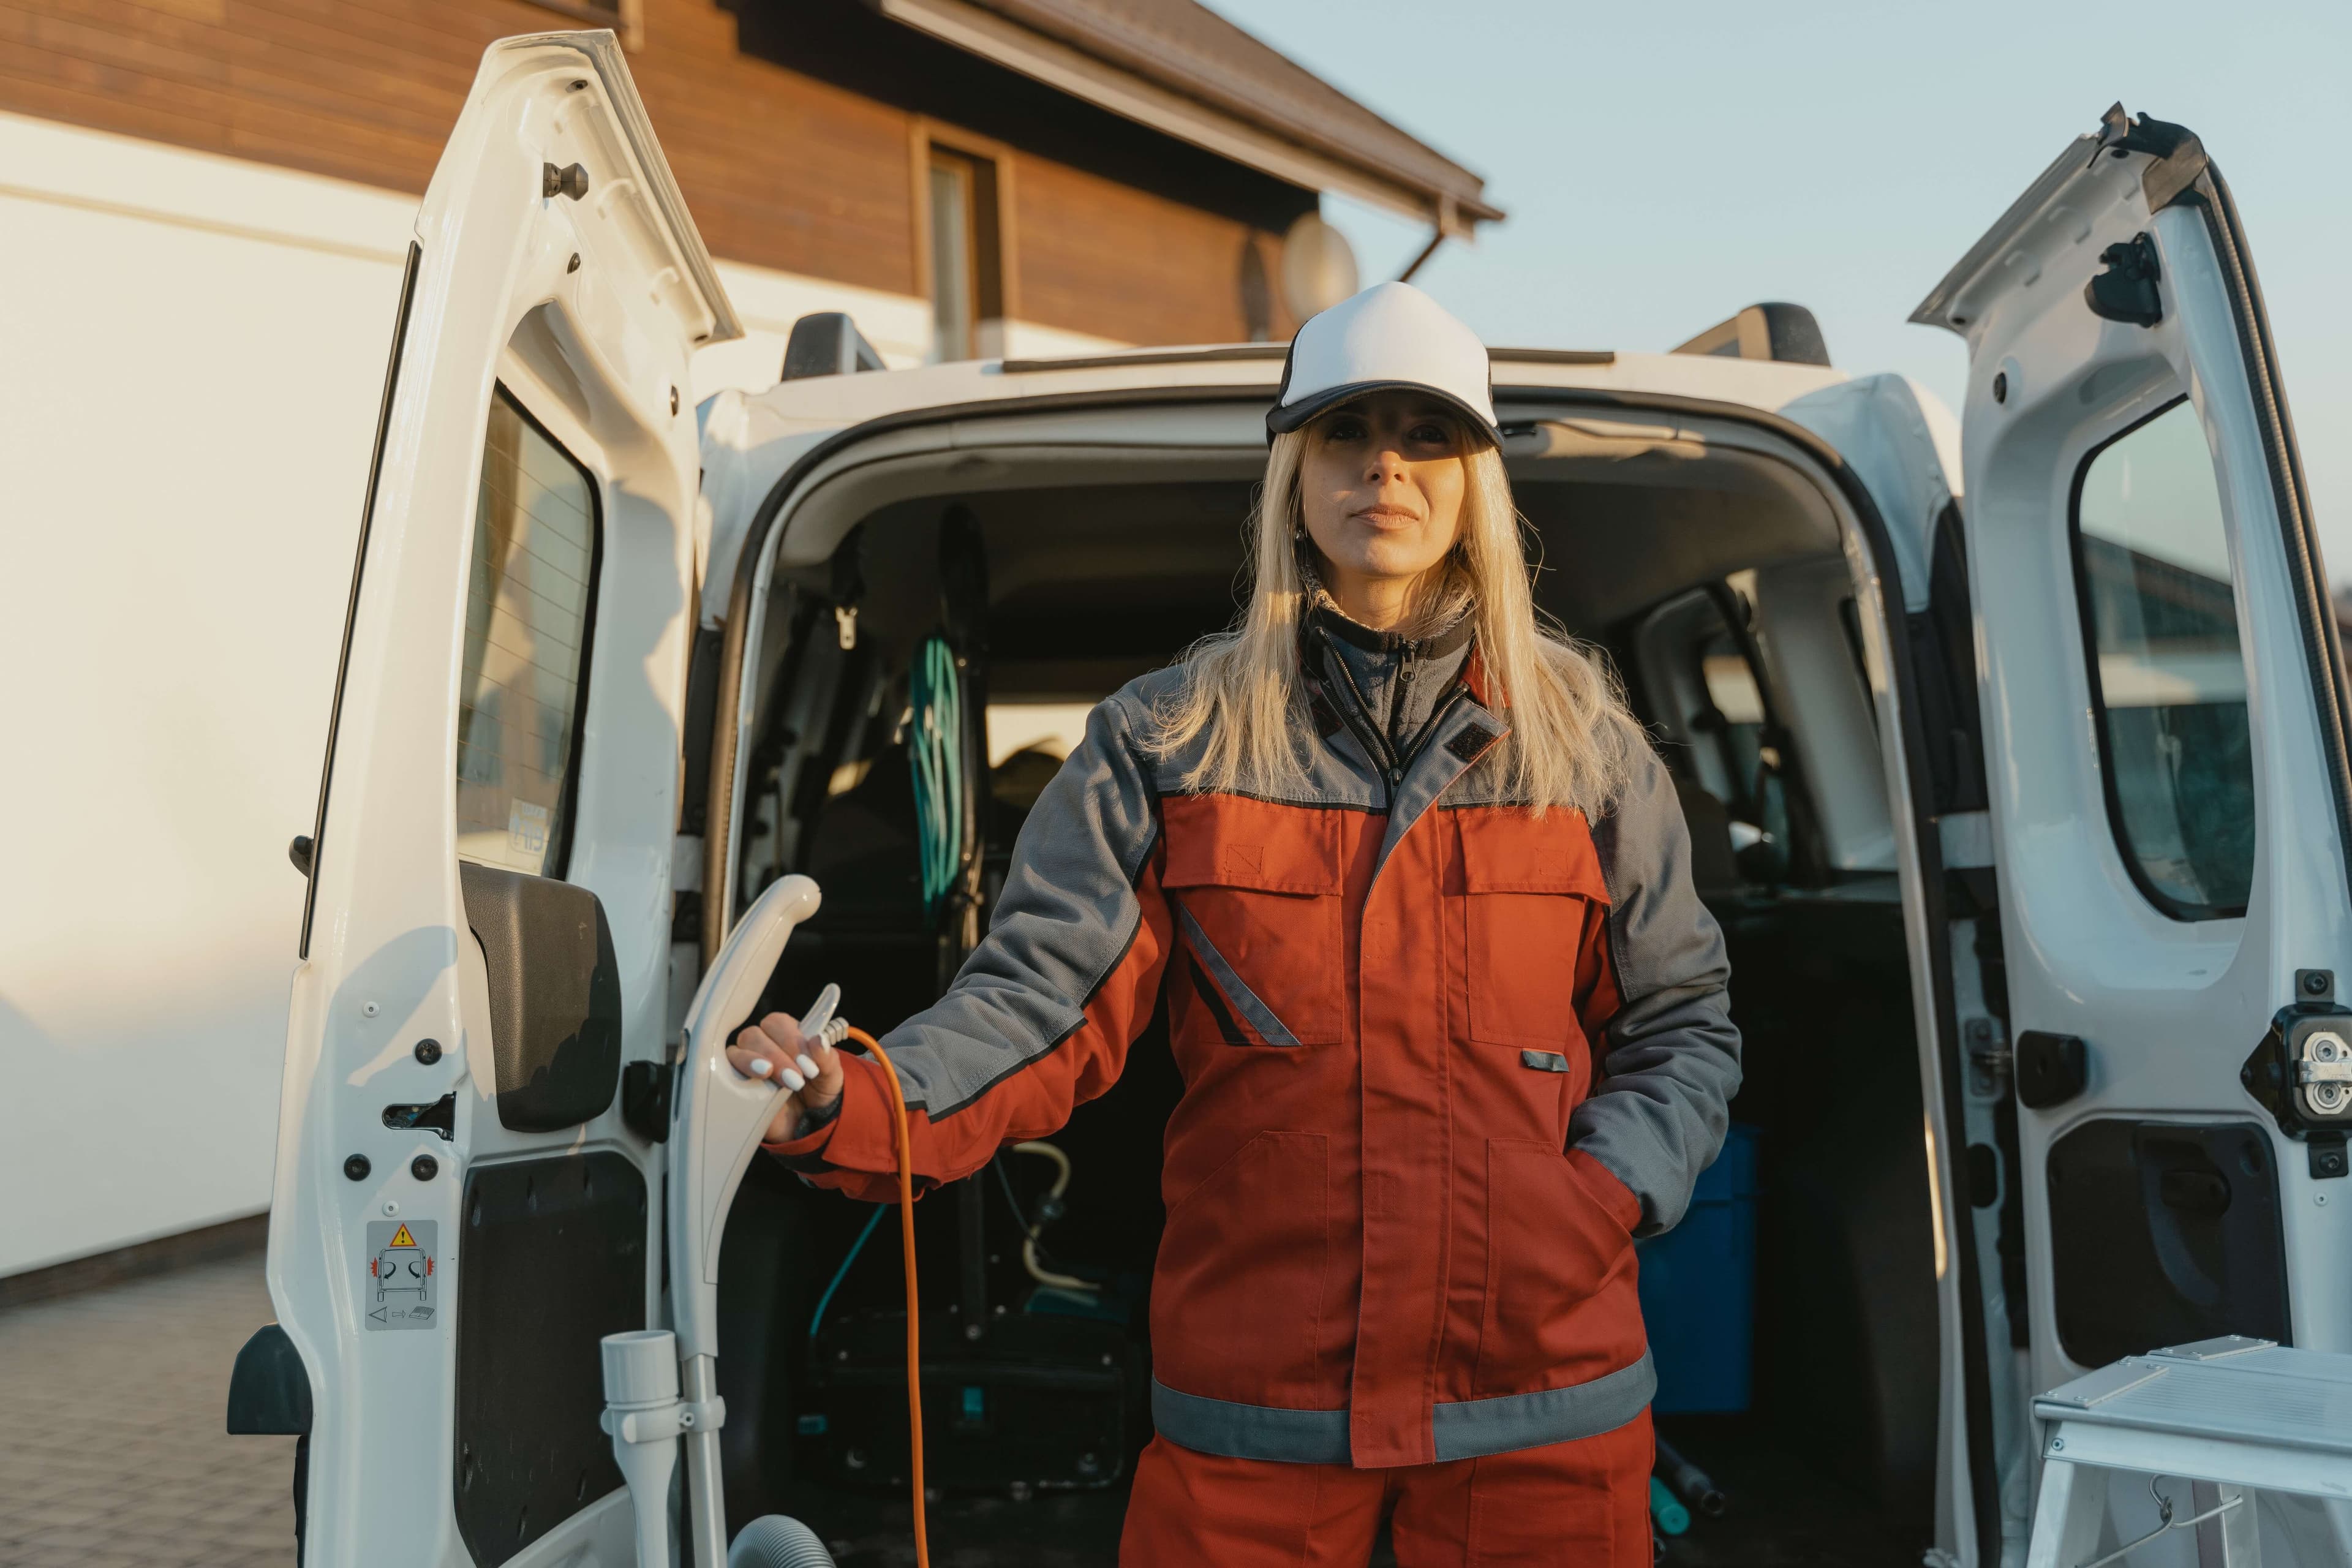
(359, 565)
(2323, 642)
(270, 1388)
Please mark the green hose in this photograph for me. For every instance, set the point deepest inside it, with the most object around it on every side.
(935, 744)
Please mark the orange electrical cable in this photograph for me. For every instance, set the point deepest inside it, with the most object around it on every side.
(907, 1238)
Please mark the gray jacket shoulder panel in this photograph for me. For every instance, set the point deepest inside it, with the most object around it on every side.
(1671, 1063)
(1338, 775)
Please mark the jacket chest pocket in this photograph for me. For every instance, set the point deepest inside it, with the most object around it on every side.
(1533, 909)
(1257, 906)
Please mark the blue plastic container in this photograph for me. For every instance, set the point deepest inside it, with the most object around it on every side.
(1698, 1289)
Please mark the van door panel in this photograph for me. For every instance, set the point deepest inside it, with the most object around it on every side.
(2164, 1233)
(556, 1260)
(2163, 717)
(489, 922)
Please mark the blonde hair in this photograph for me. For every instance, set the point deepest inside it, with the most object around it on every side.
(1573, 742)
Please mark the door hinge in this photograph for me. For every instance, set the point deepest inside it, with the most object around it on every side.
(1989, 1058)
(2126, 291)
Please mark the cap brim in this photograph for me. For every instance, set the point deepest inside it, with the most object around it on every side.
(1285, 417)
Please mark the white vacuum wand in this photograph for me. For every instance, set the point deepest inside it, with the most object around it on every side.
(644, 1417)
(720, 1115)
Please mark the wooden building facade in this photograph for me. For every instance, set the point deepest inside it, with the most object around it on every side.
(867, 143)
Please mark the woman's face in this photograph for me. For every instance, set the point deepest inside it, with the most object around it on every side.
(1381, 487)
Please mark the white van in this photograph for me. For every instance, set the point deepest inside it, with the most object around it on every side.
(2026, 818)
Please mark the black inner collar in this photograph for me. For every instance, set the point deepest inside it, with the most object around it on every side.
(1334, 622)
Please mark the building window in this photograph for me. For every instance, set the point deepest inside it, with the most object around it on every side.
(2168, 674)
(530, 597)
(965, 255)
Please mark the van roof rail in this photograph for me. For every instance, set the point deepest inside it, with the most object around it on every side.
(828, 342)
(1770, 331)
(1211, 352)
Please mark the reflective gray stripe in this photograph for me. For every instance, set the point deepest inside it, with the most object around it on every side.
(1460, 1431)
(1544, 1061)
(1516, 1421)
(1249, 1431)
(1255, 1013)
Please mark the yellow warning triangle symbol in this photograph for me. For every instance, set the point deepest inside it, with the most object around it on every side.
(401, 1238)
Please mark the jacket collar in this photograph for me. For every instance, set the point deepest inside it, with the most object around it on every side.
(1334, 622)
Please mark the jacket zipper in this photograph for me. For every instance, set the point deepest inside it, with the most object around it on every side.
(1355, 713)
(1403, 689)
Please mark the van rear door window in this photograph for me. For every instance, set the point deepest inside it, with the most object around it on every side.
(529, 598)
(2168, 675)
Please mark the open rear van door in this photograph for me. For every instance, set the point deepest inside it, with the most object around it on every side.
(468, 1185)
(2163, 714)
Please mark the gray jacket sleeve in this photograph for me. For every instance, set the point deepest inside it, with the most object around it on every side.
(1670, 1061)
(1041, 1015)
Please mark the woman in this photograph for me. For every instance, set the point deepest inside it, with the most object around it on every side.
(1451, 1020)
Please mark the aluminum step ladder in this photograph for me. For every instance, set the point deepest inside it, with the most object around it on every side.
(2224, 1418)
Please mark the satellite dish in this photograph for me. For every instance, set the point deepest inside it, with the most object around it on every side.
(1319, 267)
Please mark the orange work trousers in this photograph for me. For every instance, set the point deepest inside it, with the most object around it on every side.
(1584, 1503)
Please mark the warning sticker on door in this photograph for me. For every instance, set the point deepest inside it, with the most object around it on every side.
(402, 1288)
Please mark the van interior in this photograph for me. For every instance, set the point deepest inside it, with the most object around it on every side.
(1710, 570)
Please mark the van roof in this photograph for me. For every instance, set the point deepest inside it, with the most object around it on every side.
(838, 401)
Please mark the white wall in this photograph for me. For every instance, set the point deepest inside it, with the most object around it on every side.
(192, 350)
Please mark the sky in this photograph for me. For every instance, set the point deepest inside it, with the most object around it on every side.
(1664, 165)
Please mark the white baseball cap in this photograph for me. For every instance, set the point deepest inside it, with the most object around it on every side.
(1389, 336)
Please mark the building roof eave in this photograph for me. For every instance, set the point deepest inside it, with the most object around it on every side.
(1049, 41)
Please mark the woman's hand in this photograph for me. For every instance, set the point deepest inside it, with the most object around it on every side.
(809, 1069)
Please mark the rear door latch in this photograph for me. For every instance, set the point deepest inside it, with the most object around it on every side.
(2302, 1072)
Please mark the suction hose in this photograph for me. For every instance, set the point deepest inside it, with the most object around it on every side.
(777, 1540)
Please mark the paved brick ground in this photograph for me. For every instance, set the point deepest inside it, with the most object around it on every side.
(111, 1451)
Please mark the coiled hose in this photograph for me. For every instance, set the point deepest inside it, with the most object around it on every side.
(935, 747)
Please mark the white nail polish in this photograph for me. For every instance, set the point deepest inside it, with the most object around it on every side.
(794, 1081)
(808, 1068)
(762, 1066)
